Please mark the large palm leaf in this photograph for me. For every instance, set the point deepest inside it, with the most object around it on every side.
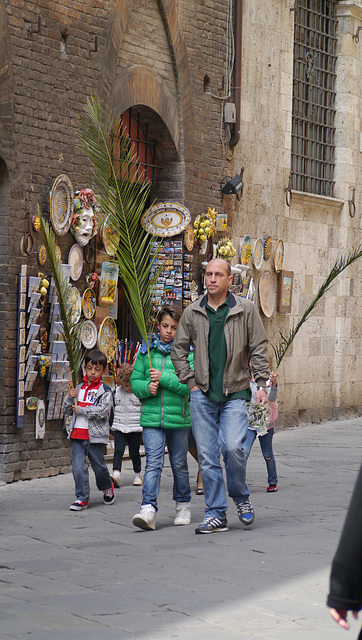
(123, 202)
(340, 265)
(70, 330)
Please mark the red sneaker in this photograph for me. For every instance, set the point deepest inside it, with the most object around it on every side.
(272, 488)
(78, 505)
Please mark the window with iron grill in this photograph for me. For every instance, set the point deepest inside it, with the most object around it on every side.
(314, 96)
(143, 151)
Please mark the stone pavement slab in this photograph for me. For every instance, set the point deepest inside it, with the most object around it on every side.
(91, 575)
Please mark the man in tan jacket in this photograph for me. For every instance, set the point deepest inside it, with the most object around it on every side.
(224, 331)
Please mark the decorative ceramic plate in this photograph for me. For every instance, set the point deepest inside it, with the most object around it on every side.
(110, 238)
(42, 255)
(258, 253)
(75, 304)
(166, 219)
(75, 259)
(61, 205)
(107, 338)
(268, 245)
(89, 303)
(189, 238)
(245, 250)
(88, 334)
(267, 294)
(279, 255)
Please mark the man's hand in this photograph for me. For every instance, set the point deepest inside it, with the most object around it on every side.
(340, 616)
(153, 388)
(261, 397)
(195, 388)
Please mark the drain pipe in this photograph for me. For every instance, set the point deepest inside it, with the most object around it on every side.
(238, 29)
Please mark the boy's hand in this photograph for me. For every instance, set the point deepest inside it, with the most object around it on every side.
(75, 408)
(261, 397)
(155, 375)
(153, 388)
(73, 393)
(274, 378)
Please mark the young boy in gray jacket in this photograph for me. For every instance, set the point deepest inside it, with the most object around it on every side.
(90, 403)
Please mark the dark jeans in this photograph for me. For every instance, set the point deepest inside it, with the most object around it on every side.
(95, 452)
(133, 440)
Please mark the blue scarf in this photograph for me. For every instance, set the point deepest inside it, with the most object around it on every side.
(157, 344)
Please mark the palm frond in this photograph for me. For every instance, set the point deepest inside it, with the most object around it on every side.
(340, 265)
(70, 330)
(123, 202)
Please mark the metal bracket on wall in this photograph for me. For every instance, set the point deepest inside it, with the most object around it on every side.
(36, 29)
(95, 48)
(352, 203)
(355, 36)
(288, 191)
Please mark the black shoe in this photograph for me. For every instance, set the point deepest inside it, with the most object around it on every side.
(109, 495)
(212, 525)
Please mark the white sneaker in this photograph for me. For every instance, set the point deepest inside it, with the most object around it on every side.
(116, 477)
(146, 518)
(183, 513)
(137, 480)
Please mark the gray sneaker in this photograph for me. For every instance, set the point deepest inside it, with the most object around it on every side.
(212, 525)
(245, 512)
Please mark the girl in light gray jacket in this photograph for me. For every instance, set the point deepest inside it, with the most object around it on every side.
(126, 426)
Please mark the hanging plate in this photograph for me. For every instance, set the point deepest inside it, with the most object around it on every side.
(107, 338)
(166, 219)
(75, 259)
(61, 205)
(89, 303)
(258, 253)
(268, 245)
(245, 250)
(58, 253)
(267, 294)
(75, 304)
(88, 334)
(42, 255)
(110, 238)
(279, 255)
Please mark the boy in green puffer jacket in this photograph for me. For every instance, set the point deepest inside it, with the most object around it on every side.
(165, 418)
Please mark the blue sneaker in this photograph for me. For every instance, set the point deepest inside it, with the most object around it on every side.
(245, 512)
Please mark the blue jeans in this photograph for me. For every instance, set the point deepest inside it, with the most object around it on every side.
(154, 441)
(95, 452)
(266, 445)
(220, 427)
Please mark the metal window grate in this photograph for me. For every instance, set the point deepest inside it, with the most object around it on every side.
(314, 96)
(143, 150)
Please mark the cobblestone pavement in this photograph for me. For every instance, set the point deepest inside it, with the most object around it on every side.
(91, 575)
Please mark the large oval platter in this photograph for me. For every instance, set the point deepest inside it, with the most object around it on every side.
(267, 294)
(166, 219)
(61, 205)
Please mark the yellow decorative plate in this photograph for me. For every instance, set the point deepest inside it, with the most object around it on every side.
(166, 219)
(107, 338)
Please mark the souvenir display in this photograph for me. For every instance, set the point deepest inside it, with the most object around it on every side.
(166, 219)
(108, 284)
(189, 238)
(32, 403)
(61, 205)
(258, 253)
(267, 294)
(89, 303)
(36, 223)
(40, 420)
(224, 249)
(74, 304)
(174, 274)
(107, 338)
(268, 245)
(75, 259)
(88, 334)
(245, 250)
(279, 255)
(110, 238)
